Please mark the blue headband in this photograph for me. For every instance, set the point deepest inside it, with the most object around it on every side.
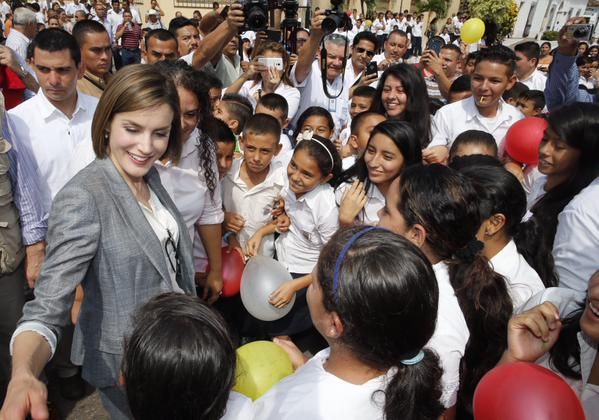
(414, 360)
(344, 251)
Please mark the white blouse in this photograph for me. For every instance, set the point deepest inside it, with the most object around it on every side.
(252, 91)
(370, 213)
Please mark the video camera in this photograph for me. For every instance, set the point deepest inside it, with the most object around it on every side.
(256, 14)
(336, 18)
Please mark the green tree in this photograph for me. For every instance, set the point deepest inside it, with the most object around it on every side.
(439, 7)
(502, 13)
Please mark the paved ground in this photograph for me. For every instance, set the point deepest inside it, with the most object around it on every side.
(88, 408)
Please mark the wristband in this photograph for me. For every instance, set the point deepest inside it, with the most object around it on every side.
(227, 235)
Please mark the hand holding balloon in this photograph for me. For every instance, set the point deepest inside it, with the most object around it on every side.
(283, 295)
(298, 359)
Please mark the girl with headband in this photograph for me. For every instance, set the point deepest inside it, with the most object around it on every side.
(438, 209)
(376, 365)
(309, 203)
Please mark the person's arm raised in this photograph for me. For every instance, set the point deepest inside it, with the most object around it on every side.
(306, 55)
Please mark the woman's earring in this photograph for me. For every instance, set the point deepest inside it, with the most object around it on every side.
(106, 135)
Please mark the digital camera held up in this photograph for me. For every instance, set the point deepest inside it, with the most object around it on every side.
(256, 15)
(336, 18)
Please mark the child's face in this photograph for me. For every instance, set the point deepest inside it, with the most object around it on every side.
(304, 174)
(470, 149)
(383, 159)
(469, 67)
(586, 70)
(221, 112)
(359, 104)
(489, 81)
(258, 151)
(319, 125)
(556, 157)
(527, 106)
(359, 141)
(278, 114)
(215, 95)
(224, 157)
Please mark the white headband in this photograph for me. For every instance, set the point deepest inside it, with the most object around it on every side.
(308, 135)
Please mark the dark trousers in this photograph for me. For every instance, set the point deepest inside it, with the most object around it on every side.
(130, 56)
(12, 299)
(417, 45)
(116, 57)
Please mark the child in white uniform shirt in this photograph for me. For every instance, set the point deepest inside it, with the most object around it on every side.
(436, 208)
(562, 339)
(392, 146)
(252, 187)
(361, 127)
(376, 366)
(309, 203)
(276, 105)
(485, 110)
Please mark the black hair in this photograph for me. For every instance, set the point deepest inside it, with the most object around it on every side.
(179, 362)
(461, 84)
(84, 27)
(274, 102)
(546, 43)
(316, 149)
(576, 125)
(56, 39)
(499, 54)
(529, 49)
(220, 132)
(445, 203)
(453, 48)
(239, 107)
(537, 96)
(315, 111)
(364, 92)
(472, 56)
(356, 122)
(263, 124)
(366, 36)
(402, 135)
(500, 192)
(161, 35)
(475, 137)
(179, 22)
(515, 92)
(582, 60)
(564, 356)
(417, 109)
(209, 81)
(397, 32)
(380, 273)
(185, 76)
(459, 162)
(34, 7)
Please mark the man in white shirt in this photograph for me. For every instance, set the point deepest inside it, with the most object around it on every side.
(394, 49)
(527, 56)
(4, 10)
(307, 75)
(23, 31)
(363, 49)
(101, 17)
(71, 8)
(153, 20)
(51, 125)
(485, 110)
(576, 244)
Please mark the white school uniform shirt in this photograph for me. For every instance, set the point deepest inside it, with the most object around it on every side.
(391, 23)
(250, 90)
(348, 162)
(378, 27)
(71, 8)
(315, 394)
(417, 29)
(576, 244)
(253, 204)
(312, 94)
(314, 219)
(536, 81)
(453, 119)
(568, 301)
(239, 407)
(52, 137)
(189, 191)
(521, 280)
(536, 192)
(370, 213)
(450, 337)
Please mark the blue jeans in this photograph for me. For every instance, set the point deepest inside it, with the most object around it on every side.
(130, 56)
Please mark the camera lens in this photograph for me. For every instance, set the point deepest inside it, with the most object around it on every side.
(256, 19)
(330, 23)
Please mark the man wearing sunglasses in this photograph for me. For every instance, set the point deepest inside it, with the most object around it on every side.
(363, 50)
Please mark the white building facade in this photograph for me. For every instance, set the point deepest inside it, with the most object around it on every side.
(538, 16)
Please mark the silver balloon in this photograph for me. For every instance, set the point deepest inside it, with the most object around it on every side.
(260, 278)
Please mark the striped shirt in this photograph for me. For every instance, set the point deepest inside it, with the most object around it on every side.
(131, 37)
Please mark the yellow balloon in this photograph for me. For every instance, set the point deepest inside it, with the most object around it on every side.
(260, 365)
(368, 23)
(472, 31)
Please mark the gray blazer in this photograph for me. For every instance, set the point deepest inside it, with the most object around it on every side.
(98, 237)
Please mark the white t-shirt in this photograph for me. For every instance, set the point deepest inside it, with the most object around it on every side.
(376, 201)
(314, 219)
(254, 204)
(239, 407)
(536, 81)
(312, 393)
(378, 27)
(522, 281)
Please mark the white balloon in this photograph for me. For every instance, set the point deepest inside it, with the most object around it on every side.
(260, 278)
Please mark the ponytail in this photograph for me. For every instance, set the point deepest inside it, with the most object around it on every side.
(487, 307)
(531, 244)
(409, 394)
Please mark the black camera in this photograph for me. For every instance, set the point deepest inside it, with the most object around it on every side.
(336, 18)
(256, 15)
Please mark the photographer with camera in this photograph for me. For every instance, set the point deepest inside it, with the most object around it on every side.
(563, 77)
(308, 78)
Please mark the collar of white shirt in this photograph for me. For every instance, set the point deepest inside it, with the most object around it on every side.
(472, 111)
(311, 198)
(48, 110)
(274, 176)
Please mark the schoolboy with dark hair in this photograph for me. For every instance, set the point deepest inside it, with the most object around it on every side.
(511, 95)
(532, 103)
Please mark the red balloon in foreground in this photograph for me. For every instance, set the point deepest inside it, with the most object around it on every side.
(525, 391)
(523, 139)
(233, 264)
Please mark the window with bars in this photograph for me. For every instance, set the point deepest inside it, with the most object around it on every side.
(193, 4)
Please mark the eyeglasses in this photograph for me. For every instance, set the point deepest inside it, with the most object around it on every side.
(170, 247)
(361, 50)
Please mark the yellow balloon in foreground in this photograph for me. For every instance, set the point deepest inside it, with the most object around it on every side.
(472, 31)
(260, 365)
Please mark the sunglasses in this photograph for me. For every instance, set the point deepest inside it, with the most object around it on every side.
(361, 50)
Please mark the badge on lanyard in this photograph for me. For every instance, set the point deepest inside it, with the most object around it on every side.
(332, 105)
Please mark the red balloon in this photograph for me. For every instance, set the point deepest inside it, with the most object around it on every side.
(525, 391)
(233, 263)
(523, 139)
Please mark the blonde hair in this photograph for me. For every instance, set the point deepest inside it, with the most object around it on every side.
(276, 48)
(135, 88)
